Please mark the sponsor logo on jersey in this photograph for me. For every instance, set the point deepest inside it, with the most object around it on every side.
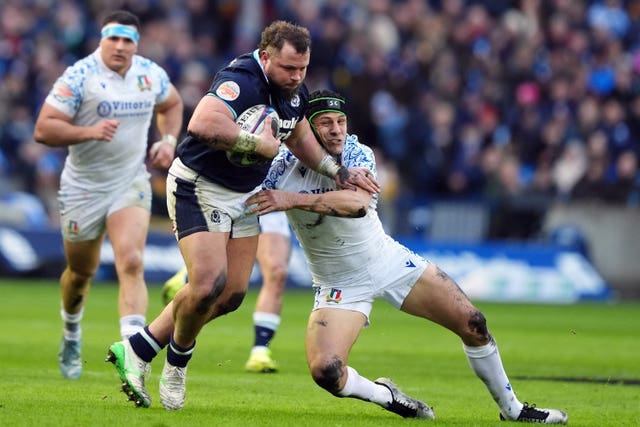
(409, 263)
(286, 128)
(335, 295)
(144, 83)
(302, 170)
(228, 91)
(62, 92)
(123, 109)
(104, 109)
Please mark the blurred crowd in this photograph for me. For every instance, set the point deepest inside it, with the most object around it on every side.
(528, 102)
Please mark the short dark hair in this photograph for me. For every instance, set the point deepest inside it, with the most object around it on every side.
(279, 32)
(123, 17)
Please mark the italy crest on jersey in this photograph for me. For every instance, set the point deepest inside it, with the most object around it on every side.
(144, 83)
(335, 295)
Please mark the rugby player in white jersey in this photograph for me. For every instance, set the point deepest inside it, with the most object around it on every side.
(101, 109)
(353, 262)
(206, 191)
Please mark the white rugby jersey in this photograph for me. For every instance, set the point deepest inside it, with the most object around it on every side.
(334, 247)
(89, 92)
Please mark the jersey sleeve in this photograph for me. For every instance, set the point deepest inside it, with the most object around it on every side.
(237, 90)
(164, 89)
(280, 166)
(357, 155)
(67, 91)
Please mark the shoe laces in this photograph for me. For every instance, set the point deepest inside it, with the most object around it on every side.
(531, 413)
(400, 404)
(174, 378)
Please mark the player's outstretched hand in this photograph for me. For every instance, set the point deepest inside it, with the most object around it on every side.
(350, 178)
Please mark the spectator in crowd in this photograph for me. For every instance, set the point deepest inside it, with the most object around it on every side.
(625, 187)
(502, 66)
(593, 184)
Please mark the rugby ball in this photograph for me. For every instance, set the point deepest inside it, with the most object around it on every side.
(252, 120)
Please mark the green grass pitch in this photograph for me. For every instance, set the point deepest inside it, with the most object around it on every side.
(582, 358)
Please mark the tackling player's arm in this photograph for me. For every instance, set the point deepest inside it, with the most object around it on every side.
(342, 203)
(56, 129)
(304, 146)
(212, 123)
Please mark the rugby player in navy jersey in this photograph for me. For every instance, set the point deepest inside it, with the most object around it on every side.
(206, 191)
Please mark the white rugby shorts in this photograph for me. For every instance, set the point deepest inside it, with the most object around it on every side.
(197, 204)
(390, 277)
(275, 222)
(83, 213)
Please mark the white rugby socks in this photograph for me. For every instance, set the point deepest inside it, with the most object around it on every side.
(131, 324)
(72, 329)
(486, 363)
(362, 388)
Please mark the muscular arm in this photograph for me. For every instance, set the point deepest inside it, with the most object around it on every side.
(169, 122)
(213, 124)
(56, 129)
(342, 203)
(169, 114)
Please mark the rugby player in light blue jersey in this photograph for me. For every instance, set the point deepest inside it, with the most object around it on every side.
(101, 109)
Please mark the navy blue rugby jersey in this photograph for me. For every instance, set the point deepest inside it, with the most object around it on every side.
(241, 85)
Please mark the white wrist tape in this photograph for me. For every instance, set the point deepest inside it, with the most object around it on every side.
(246, 142)
(328, 166)
(169, 139)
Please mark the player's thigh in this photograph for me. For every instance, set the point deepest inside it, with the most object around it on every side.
(127, 219)
(437, 297)
(205, 256)
(241, 255)
(331, 332)
(127, 230)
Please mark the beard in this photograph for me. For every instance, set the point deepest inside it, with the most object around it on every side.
(284, 93)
